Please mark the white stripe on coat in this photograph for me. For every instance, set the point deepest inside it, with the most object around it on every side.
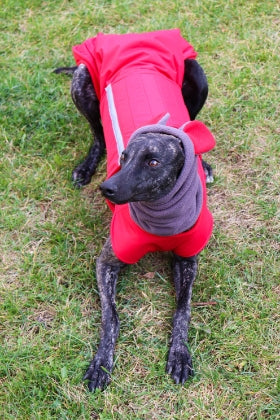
(114, 119)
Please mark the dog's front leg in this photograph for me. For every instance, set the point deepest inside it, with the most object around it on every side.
(107, 269)
(179, 364)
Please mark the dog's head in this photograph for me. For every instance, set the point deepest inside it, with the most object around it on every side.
(150, 166)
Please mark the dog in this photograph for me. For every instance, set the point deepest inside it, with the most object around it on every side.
(129, 87)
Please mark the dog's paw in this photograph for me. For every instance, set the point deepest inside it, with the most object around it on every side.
(98, 374)
(208, 172)
(81, 175)
(179, 363)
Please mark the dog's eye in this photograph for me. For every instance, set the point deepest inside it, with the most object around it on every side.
(122, 157)
(153, 163)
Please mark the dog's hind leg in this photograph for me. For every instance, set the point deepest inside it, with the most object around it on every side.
(208, 172)
(179, 363)
(194, 87)
(85, 99)
(107, 269)
(195, 92)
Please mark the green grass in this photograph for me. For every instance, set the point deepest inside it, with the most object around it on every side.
(52, 233)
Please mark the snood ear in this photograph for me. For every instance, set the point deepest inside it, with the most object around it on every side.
(202, 138)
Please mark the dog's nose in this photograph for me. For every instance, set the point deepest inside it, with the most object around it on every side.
(108, 190)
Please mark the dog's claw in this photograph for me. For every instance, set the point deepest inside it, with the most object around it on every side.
(179, 364)
(209, 179)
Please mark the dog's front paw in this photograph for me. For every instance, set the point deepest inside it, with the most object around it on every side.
(81, 175)
(98, 373)
(179, 363)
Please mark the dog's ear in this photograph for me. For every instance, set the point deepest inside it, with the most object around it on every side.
(202, 138)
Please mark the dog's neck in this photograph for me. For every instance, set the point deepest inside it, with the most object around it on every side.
(177, 211)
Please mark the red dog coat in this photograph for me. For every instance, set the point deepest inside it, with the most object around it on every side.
(137, 79)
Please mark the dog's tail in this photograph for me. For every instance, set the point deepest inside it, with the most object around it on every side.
(66, 70)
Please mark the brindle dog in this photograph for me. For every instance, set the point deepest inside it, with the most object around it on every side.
(194, 91)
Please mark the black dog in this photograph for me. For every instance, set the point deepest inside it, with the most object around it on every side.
(150, 166)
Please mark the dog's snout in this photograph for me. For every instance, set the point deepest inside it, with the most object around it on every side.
(108, 190)
(115, 190)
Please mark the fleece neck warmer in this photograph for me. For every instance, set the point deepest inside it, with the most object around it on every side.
(177, 211)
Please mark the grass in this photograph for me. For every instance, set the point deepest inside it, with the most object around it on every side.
(52, 233)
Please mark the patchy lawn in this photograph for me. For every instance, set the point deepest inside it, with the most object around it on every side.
(52, 233)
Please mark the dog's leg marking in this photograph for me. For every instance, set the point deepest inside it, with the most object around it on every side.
(179, 364)
(114, 119)
(107, 269)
